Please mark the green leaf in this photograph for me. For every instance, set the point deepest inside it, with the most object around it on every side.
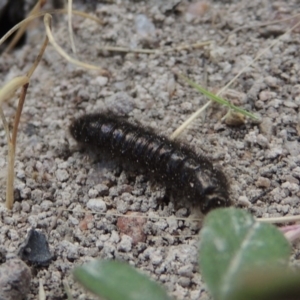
(216, 98)
(115, 280)
(232, 243)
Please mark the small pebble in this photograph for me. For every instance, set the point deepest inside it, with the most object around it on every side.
(120, 103)
(144, 26)
(243, 200)
(266, 95)
(15, 278)
(100, 81)
(126, 243)
(292, 187)
(292, 147)
(290, 104)
(271, 81)
(274, 152)
(263, 182)
(62, 175)
(132, 225)
(262, 141)
(96, 205)
(68, 249)
(186, 270)
(267, 127)
(251, 138)
(25, 206)
(198, 9)
(85, 223)
(102, 189)
(156, 257)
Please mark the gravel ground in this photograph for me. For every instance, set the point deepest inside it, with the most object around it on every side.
(75, 197)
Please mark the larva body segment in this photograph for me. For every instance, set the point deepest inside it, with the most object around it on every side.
(183, 171)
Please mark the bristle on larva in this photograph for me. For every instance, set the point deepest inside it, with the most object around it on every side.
(175, 165)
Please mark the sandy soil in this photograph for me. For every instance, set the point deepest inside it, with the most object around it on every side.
(56, 183)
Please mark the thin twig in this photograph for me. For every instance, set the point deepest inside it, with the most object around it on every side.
(222, 90)
(70, 26)
(47, 22)
(187, 46)
(18, 113)
(186, 123)
(38, 59)
(12, 152)
(136, 216)
(5, 125)
(42, 294)
(128, 50)
(12, 142)
(155, 51)
(285, 219)
(257, 25)
(51, 11)
(22, 29)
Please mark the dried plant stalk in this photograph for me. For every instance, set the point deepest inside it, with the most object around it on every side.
(47, 22)
(23, 28)
(6, 92)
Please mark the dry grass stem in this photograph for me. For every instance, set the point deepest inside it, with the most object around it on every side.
(258, 25)
(186, 123)
(70, 26)
(156, 51)
(182, 127)
(12, 151)
(128, 50)
(12, 143)
(23, 28)
(42, 293)
(23, 81)
(40, 14)
(7, 92)
(10, 88)
(47, 22)
(188, 46)
(285, 219)
(38, 59)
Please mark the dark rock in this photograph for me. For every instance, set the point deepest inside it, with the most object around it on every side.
(35, 250)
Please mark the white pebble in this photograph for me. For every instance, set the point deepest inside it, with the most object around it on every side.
(46, 205)
(92, 193)
(263, 182)
(144, 26)
(126, 243)
(274, 152)
(292, 187)
(262, 141)
(13, 235)
(100, 81)
(25, 206)
(156, 258)
(73, 220)
(243, 200)
(96, 204)
(62, 175)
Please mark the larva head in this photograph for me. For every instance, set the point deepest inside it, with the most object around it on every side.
(83, 128)
(77, 129)
(213, 201)
(212, 190)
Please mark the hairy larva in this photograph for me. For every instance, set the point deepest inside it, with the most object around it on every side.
(178, 167)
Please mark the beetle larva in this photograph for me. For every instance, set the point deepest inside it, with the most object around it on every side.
(172, 163)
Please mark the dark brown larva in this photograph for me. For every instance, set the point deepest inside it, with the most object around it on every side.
(177, 166)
